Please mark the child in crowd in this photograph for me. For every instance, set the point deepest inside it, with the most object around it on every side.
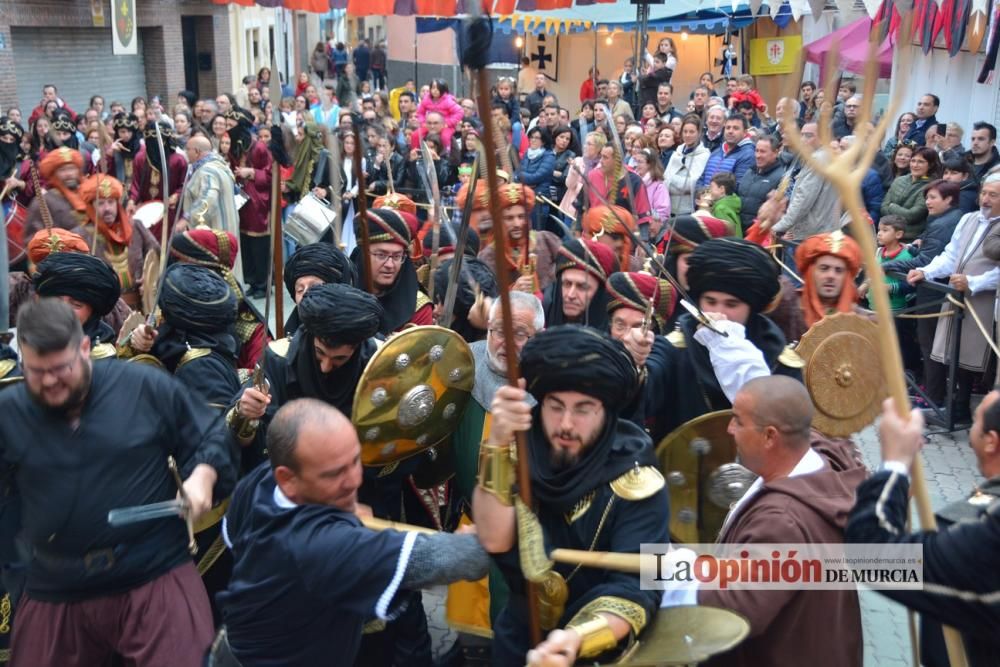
(726, 203)
(891, 247)
(745, 91)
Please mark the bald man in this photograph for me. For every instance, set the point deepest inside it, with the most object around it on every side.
(210, 193)
(804, 489)
(307, 575)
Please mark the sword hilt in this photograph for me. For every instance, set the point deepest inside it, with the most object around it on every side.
(172, 465)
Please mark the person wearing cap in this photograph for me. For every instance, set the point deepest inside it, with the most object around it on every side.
(121, 244)
(579, 295)
(695, 370)
(531, 254)
(610, 225)
(630, 297)
(147, 174)
(81, 439)
(311, 265)
(829, 264)
(90, 287)
(126, 147)
(250, 162)
(62, 170)
(595, 484)
(447, 240)
(394, 279)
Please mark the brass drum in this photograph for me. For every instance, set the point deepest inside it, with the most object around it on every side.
(412, 394)
(698, 460)
(309, 220)
(687, 635)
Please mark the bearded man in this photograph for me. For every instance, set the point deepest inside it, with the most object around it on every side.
(828, 264)
(122, 245)
(531, 254)
(62, 170)
(595, 482)
(64, 493)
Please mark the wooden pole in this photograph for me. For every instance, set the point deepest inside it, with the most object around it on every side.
(845, 172)
(504, 278)
(360, 213)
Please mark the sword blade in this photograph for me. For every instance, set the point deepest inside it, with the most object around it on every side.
(124, 516)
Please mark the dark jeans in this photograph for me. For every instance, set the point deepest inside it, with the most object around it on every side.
(256, 259)
(378, 79)
(936, 375)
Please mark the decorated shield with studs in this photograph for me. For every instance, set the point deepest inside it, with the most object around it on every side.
(698, 460)
(412, 394)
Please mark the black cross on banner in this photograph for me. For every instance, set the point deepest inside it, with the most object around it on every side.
(541, 57)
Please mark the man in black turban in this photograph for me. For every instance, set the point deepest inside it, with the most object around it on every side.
(394, 278)
(595, 485)
(315, 264)
(323, 360)
(87, 284)
(196, 341)
(695, 370)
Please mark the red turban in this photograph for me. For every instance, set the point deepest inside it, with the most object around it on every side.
(51, 163)
(603, 219)
(102, 186)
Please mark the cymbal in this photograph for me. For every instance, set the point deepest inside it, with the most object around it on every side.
(687, 635)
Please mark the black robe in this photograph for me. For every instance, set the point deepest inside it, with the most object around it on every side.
(609, 523)
(681, 382)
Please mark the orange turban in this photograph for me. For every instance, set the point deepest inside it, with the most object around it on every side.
(603, 219)
(51, 163)
(510, 194)
(57, 239)
(835, 244)
(101, 186)
(396, 201)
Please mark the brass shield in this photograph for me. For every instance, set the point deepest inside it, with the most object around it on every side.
(843, 373)
(687, 635)
(698, 460)
(412, 394)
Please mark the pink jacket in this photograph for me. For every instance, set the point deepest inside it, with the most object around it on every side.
(448, 108)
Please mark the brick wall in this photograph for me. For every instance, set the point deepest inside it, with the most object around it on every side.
(163, 50)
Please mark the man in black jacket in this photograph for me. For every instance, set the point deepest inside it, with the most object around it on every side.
(983, 154)
(961, 584)
(761, 179)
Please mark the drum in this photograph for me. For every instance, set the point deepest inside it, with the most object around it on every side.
(149, 214)
(309, 220)
(14, 221)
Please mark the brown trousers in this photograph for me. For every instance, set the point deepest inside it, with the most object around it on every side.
(165, 623)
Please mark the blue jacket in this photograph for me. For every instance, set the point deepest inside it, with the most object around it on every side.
(537, 173)
(919, 129)
(872, 193)
(737, 161)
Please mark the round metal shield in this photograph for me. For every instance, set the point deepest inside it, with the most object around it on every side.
(698, 460)
(843, 373)
(412, 394)
(688, 635)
